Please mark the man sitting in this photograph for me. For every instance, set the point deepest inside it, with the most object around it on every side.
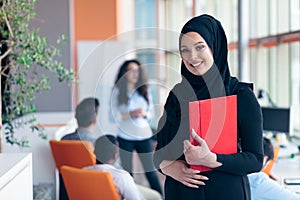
(263, 187)
(107, 152)
(86, 116)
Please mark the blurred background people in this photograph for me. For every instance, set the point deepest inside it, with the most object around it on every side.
(131, 105)
(86, 117)
(107, 152)
(263, 187)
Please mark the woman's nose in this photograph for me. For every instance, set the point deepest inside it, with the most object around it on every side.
(194, 54)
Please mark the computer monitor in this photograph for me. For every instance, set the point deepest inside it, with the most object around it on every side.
(277, 120)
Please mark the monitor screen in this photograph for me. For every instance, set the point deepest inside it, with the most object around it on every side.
(277, 119)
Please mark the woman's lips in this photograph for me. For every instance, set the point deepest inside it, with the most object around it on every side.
(196, 64)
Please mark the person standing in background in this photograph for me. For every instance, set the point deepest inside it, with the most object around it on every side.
(131, 105)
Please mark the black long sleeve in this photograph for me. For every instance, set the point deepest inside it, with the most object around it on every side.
(249, 129)
(250, 133)
(166, 148)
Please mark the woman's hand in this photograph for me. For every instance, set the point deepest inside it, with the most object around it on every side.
(138, 113)
(200, 154)
(134, 114)
(179, 171)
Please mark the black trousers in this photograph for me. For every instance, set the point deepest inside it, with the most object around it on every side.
(145, 153)
(62, 189)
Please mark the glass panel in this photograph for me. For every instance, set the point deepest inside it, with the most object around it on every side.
(229, 19)
(273, 17)
(262, 73)
(283, 76)
(252, 66)
(295, 84)
(233, 62)
(147, 58)
(145, 17)
(252, 19)
(200, 7)
(273, 75)
(283, 16)
(295, 15)
(262, 9)
(173, 69)
(177, 13)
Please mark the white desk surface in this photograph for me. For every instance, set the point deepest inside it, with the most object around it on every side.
(11, 164)
(288, 166)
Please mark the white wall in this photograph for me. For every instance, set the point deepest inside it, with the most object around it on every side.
(99, 62)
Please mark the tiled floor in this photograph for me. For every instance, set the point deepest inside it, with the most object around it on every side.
(43, 192)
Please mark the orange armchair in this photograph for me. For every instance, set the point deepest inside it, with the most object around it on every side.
(269, 166)
(88, 184)
(72, 153)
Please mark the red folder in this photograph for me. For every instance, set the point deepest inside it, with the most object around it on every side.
(215, 121)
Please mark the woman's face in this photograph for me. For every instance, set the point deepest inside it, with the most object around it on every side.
(195, 53)
(132, 73)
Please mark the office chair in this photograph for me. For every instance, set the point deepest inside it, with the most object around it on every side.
(88, 184)
(268, 168)
(72, 153)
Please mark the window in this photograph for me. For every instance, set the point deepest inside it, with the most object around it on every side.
(273, 55)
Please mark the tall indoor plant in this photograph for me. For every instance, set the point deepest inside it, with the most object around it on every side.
(22, 52)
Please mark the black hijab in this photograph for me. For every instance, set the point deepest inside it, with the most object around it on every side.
(217, 81)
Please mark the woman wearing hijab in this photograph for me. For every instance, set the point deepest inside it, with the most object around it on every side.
(205, 75)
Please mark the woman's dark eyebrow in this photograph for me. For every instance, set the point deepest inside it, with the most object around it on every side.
(200, 42)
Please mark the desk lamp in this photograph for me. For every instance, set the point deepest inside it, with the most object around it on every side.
(262, 93)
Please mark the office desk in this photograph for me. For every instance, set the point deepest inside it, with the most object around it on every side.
(287, 168)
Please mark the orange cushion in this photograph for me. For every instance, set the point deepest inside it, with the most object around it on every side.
(268, 168)
(88, 184)
(72, 153)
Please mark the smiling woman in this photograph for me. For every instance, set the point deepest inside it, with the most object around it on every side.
(195, 53)
(205, 75)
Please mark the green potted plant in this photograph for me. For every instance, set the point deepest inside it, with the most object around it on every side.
(22, 52)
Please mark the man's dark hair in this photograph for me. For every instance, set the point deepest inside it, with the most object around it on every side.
(268, 149)
(86, 111)
(106, 147)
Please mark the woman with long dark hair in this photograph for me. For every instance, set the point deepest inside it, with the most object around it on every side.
(131, 104)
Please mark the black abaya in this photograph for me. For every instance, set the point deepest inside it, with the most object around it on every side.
(228, 181)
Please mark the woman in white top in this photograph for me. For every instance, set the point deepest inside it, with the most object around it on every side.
(131, 104)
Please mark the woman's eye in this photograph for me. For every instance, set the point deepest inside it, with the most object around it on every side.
(184, 50)
(200, 47)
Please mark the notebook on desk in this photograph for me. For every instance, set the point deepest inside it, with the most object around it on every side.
(292, 184)
(215, 121)
(291, 181)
